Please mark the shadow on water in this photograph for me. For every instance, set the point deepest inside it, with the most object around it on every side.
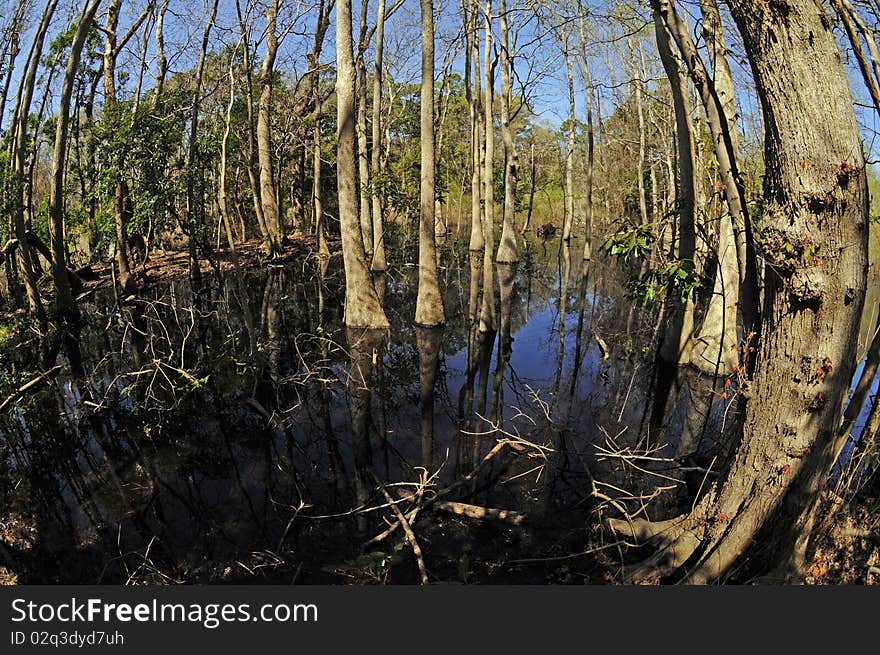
(219, 438)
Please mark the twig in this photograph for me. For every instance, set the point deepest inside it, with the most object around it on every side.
(411, 537)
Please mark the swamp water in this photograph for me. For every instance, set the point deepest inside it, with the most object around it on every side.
(212, 444)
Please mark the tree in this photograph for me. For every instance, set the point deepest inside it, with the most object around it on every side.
(815, 189)
(429, 303)
(507, 246)
(362, 307)
(268, 198)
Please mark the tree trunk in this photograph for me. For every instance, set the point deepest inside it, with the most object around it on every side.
(67, 311)
(378, 263)
(815, 193)
(568, 218)
(477, 241)
(320, 238)
(429, 303)
(194, 206)
(715, 350)
(679, 329)
(507, 247)
(252, 166)
(588, 82)
(268, 197)
(362, 154)
(112, 113)
(20, 122)
(362, 308)
(487, 307)
(731, 183)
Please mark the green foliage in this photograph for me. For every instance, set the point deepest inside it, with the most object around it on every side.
(632, 242)
(677, 276)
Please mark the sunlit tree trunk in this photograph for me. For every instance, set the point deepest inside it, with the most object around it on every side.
(362, 154)
(477, 241)
(20, 132)
(715, 350)
(66, 308)
(378, 262)
(487, 307)
(268, 196)
(362, 308)
(568, 218)
(112, 113)
(507, 247)
(429, 303)
(812, 306)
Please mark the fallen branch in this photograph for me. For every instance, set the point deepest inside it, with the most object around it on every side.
(410, 536)
(28, 386)
(481, 513)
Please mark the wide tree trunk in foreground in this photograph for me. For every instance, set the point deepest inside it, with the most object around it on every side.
(362, 308)
(814, 238)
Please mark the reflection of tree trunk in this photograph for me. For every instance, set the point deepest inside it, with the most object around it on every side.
(466, 393)
(428, 340)
(272, 321)
(564, 278)
(580, 334)
(506, 279)
(364, 348)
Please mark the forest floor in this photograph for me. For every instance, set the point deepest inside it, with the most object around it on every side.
(167, 265)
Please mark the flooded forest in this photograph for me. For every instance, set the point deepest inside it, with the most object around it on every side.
(476, 292)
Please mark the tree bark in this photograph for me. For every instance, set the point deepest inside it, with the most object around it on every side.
(487, 306)
(477, 241)
(715, 348)
(568, 218)
(111, 113)
(378, 262)
(507, 247)
(815, 193)
(429, 303)
(362, 308)
(268, 196)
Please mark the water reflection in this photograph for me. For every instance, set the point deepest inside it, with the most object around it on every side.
(241, 433)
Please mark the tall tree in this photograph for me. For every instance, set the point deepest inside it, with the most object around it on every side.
(268, 197)
(507, 247)
(362, 307)
(378, 261)
(429, 303)
(815, 189)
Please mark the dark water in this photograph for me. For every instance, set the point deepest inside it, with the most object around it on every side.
(214, 443)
